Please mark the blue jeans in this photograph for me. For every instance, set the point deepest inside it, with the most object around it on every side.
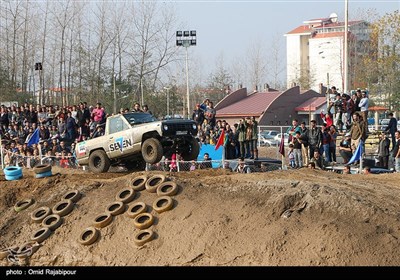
(325, 148)
(397, 165)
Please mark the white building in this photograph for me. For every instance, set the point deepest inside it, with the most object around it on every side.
(315, 52)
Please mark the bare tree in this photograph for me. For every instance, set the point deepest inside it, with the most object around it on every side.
(276, 65)
(257, 63)
(239, 72)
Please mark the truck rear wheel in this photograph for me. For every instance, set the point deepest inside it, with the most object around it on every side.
(152, 150)
(193, 151)
(99, 162)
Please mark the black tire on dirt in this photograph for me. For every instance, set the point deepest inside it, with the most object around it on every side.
(152, 150)
(193, 151)
(99, 162)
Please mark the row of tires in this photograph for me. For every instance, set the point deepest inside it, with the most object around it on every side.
(142, 220)
(12, 173)
(49, 218)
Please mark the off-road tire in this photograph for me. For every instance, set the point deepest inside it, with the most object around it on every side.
(88, 236)
(168, 188)
(99, 162)
(143, 237)
(152, 150)
(39, 214)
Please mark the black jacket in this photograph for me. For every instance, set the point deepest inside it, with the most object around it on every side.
(392, 126)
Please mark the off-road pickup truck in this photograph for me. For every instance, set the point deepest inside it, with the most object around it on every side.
(136, 138)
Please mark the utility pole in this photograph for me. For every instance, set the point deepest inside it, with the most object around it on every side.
(115, 95)
(346, 52)
(186, 39)
(167, 89)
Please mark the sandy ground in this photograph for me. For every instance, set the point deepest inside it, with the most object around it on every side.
(296, 217)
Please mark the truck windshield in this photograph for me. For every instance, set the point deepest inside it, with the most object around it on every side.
(139, 117)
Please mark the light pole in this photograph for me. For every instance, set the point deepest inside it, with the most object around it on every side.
(167, 89)
(186, 39)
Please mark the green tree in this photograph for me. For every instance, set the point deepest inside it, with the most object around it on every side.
(381, 66)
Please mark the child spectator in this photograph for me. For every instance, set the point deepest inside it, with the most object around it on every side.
(292, 162)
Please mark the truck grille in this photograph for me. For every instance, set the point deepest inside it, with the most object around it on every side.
(180, 128)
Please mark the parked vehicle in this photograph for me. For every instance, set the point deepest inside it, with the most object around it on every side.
(383, 124)
(279, 136)
(267, 142)
(269, 134)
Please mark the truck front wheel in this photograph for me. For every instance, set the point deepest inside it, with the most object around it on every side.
(99, 162)
(152, 150)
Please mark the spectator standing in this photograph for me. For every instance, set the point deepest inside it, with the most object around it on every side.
(304, 142)
(198, 115)
(297, 150)
(293, 129)
(314, 138)
(254, 138)
(291, 156)
(326, 140)
(82, 114)
(332, 144)
(391, 128)
(357, 131)
(210, 114)
(4, 121)
(364, 104)
(97, 115)
(383, 151)
(242, 136)
(396, 152)
(70, 128)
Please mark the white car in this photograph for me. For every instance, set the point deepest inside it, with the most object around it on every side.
(267, 142)
(279, 136)
(269, 133)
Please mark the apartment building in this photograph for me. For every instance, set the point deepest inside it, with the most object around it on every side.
(315, 52)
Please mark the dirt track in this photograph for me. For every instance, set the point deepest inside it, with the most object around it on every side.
(219, 218)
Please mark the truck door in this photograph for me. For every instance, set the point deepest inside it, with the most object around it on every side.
(119, 140)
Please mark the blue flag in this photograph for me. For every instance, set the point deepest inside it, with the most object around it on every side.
(357, 154)
(34, 138)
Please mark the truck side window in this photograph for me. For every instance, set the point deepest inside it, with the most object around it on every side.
(117, 125)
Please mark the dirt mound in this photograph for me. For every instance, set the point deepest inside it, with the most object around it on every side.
(299, 217)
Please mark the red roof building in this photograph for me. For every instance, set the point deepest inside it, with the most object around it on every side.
(271, 107)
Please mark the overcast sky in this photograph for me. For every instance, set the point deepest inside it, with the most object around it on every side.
(231, 26)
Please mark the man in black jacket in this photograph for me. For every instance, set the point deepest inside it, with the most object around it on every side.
(392, 128)
(314, 138)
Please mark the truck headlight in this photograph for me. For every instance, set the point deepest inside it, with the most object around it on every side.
(165, 127)
(194, 126)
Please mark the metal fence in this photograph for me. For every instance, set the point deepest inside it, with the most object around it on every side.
(179, 166)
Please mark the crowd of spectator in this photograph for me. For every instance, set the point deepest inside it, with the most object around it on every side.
(59, 128)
